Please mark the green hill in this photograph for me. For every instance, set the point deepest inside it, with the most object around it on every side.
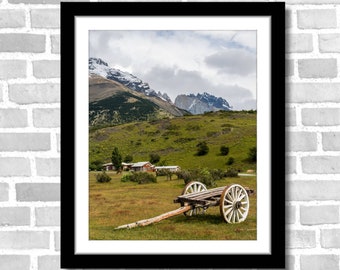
(175, 140)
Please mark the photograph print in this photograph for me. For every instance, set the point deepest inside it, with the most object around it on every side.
(172, 134)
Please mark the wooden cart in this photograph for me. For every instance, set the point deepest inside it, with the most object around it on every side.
(195, 199)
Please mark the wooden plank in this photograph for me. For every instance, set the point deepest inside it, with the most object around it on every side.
(159, 218)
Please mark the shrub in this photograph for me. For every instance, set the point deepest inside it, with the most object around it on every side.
(202, 148)
(154, 158)
(252, 154)
(224, 150)
(231, 173)
(139, 177)
(230, 161)
(103, 178)
(201, 175)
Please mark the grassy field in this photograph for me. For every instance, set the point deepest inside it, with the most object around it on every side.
(175, 140)
(116, 203)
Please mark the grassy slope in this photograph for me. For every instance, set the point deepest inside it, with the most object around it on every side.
(175, 140)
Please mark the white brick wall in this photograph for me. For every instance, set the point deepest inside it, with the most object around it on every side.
(30, 134)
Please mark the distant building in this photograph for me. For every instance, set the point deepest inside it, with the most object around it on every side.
(144, 166)
(108, 167)
(168, 168)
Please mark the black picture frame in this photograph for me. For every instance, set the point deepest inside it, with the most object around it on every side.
(276, 257)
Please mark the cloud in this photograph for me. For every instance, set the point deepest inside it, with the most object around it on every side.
(233, 61)
(184, 62)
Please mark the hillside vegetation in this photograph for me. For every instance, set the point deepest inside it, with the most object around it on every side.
(175, 140)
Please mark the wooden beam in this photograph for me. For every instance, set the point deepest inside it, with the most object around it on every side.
(149, 221)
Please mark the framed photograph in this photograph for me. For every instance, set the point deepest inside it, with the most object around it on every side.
(173, 135)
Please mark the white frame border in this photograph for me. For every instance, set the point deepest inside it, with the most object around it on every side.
(261, 24)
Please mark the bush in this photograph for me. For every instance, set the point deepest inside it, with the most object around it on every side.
(202, 149)
(231, 173)
(224, 150)
(139, 177)
(201, 175)
(154, 158)
(230, 161)
(252, 154)
(103, 178)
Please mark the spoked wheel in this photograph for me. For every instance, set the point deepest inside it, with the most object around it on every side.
(193, 187)
(234, 204)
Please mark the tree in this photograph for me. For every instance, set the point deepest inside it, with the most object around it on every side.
(116, 159)
(224, 150)
(154, 158)
(252, 154)
(128, 158)
(202, 148)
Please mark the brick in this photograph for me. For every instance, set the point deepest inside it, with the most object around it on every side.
(13, 118)
(329, 43)
(299, 43)
(290, 214)
(3, 192)
(47, 216)
(14, 216)
(331, 141)
(330, 238)
(290, 262)
(316, 18)
(288, 19)
(38, 192)
(313, 92)
(290, 164)
(48, 166)
(58, 142)
(24, 240)
(14, 166)
(45, 18)
(321, 214)
(312, 2)
(290, 117)
(22, 43)
(12, 69)
(41, 1)
(317, 68)
(300, 239)
(46, 69)
(12, 18)
(25, 141)
(57, 241)
(321, 164)
(49, 262)
(55, 43)
(34, 1)
(34, 93)
(15, 262)
(46, 118)
(320, 116)
(317, 262)
(313, 190)
(301, 141)
(289, 67)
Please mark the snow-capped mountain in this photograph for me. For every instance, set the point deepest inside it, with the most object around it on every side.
(201, 103)
(98, 67)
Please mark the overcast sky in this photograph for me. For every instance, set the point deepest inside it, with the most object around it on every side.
(222, 63)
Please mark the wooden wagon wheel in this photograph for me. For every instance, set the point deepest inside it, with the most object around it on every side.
(234, 204)
(193, 187)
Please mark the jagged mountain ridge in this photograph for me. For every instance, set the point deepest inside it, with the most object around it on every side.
(111, 102)
(201, 103)
(99, 67)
